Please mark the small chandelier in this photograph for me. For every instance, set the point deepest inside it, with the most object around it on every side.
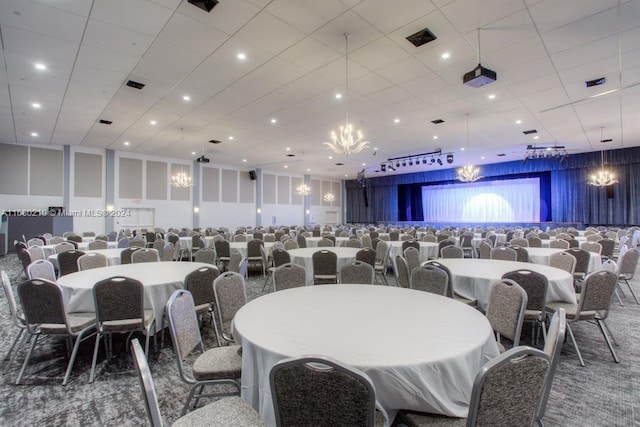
(347, 141)
(329, 198)
(181, 179)
(468, 173)
(303, 190)
(603, 178)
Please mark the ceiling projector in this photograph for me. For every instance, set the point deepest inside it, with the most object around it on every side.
(479, 77)
(202, 159)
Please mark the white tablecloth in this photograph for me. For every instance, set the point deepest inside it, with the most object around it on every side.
(82, 246)
(303, 256)
(542, 255)
(472, 278)
(427, 249)
(113, 256)
(312, 242)
(421, 350)
(160, 279)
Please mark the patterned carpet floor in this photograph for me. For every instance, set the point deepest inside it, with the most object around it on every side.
(601, 394)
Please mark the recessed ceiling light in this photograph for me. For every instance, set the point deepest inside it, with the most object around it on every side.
(34, 134)
(338, 95)
(492, 96)
(127, 143)
(244, 160)
(462, 149)
(36, 105)
(274, 121)
(536, 137)
(308, 170)
(40, 66)
(286, 166)
(186, 98)
(346, 174)
(288, 148)
(242, 56)
(518, 121)
(364, 164)
(445, 55)
(153, 122)
(548, 148)
(396, 120)
(375, 148)
(435, 136)
(193, 153)
(231, 138)
(482, 157)
(330, 157)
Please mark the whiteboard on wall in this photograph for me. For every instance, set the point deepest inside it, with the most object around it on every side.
(137, 218)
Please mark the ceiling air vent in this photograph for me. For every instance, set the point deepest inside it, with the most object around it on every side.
(530, 131)
(135, 85)
(205, 5)
(437, 121)
(421, 37)
(105, 122)
(215, 141)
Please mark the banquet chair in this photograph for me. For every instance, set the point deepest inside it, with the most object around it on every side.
(91, 260)
(564, 261)
(519, 242)
(593, 237)
(627, 264)
(535, 285)
(254, 254)
(401, 271)
(35, 242)
(324, 242)
(125, 255)
(429, 238)
(119, 303)
(200, 283)
(231, 294)
(325, 267)
(559, 244)
(522, 255)
(25, 260)
(451, 252)
(138, 243)
(145, 255)
(205, 255)
(68, 262)
(444, 243)
(607, 248)
(302, 241)
(36, 252)
(64, 246)
(506, 392)
(544, 236)
(341, 395)
(290, 244)
(216, 366)
(197, 243)
(592, 306)
(358, 272)
(353, 243)
(484, 250)
(451, 293)
(56, 240)
(505, 311)
(504, 253)
(45, 314)
(552, 347)
(221, 413)
(367, 255)
(573, 243)
(74, 238)
(594, 247)
(97, 244)
(466, 243)
(279, 257)
(158, 245)
(18, 318)
(223, 252)
(289, 275)
(410, 244)
(239, 238)
(330, 237)
(41, 269)
(412, 256)
(534, 242)
(124, 242)
(383, 250)
(169, 252)
(429, 279)
(582, 257)
(235, 261)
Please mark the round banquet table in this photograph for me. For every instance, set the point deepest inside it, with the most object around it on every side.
(113, 256)
(312, 242)
(542, 256)
(377, 329)
(428, 250)
(472, 278)
(160, 279)
(303, 257)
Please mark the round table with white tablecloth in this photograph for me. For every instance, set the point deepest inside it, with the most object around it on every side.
(312, 242)
(542, 256)
(377, 329)
(160, 279)
(303, 257)
(428, 250)
(113, 256)
(472, 278)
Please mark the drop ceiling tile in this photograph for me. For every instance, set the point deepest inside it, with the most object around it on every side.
(227, 16)
(117, 39)
(379, 53)
(584, 31)
(368, 84)
(387, 16)
(299, 54)
(192, 34)
(42, 19)
(306, 16)
(361, 32)
(269, 33)
(138, 15)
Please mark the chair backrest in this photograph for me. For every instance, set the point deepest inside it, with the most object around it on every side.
(239, 238)
(597, 290)
(520, 242)
(223, 248)
(280, 257)
(444, 243)
(25, 258)
(341, 395)
(200, 283)
(289, 275)
(522, 255)
(291, 244)
(430, 238)
(506, 309)
(559, 244)
(504, 253)
(594, 247)
(627, 263)
(534, 284)
(451, 252)
(302, 241)
(353, 243)
(36, 252)
(146, 383)
(564, 261)
(168, 252)
(68, 261)
(231, 295)
(124, 242)
(401, 271)
(35, 242)
(184, 328)
(412, 256)
(92, 260)
(137, 242)
(357, 272)
(125, 255)
(41, 269)
(325, 266)
(607, 246)
(534, 242)
(466, 240)
(98, 244)
(582, 259)
(553, 345)
(382, 252)
(42, 303)
(11, 300)
(205, 255)
(253, 248)
(594, 238)
(429, 279)
(325, 242)
(74, 238)
(410, 244)
(145, 255)
(235, 261)
(120, 298)
(64, 246)
(508, 389)
(485, 250)
(367, 255)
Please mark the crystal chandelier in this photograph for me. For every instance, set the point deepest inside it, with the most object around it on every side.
(329, 198)
(181, 179)
(603, 178)
(468, 173)
(347, 141)
(303, 190)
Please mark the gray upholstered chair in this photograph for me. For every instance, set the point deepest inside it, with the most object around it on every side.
(564, 261)
(64, 246)
(216, 366)
(36, 252)
(119, 303)
(552, 347)
(535, 285)
(505, 311)
(353, 243)
(325, 267)
(401, 271)
(607, 246)
(205, 255)
(168, 252)
(254, 254)
(231, 294)
(533, 242)
(289, 275)
(357, 272)
(429, 279)
(17, 318)
(41, 269)
(410, 244)
(367, 255)
(504, 253)
(519, 242)
(412, 256)
(45, 313)
(145, 255)
(593, 306)
(68, 262)
(522, 255)
(325, 242)
(626, 268)
(594, 247)
(484, 250)
(506, 392)
(235, 262)
(452, 251)
(582, 257)
(290, 244)
(138, 243)
(92, 260)
(223, 252)
(450, 291)
(98, 244)
(383, 250)
(559, 244)
(341, 395)
(200, 283)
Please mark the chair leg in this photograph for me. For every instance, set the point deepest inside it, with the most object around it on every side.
(95, 358)
(613, 338)
(186, 404)
(606, 338)
(618, 297)
(26, 359)
(632, 291)
(74, 353)
(9, 354)
(575, 345)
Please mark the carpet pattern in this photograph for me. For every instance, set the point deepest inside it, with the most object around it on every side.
(601, 394)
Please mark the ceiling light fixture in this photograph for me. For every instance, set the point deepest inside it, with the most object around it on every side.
(303, 190)
(181, 179)
(40, 66)
(468, 173)
(603, 178)
(330, 198)
(346, 142)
